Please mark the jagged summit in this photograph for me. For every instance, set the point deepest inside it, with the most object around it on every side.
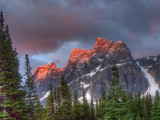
(100, 46)
(52, 65)
(91, 71)
(79, 56)
(42, 71)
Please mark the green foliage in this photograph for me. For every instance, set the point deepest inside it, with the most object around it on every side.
(85, 108)
(11, 91)
(97, 110)
(77, 108)
(92, 110)
(117, 103)
(66, 105)
(50, 106)
(39, 111)
(155, 112)
(102, 106)
(31, 97)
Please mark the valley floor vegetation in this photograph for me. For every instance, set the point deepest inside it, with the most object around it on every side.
(18, 100)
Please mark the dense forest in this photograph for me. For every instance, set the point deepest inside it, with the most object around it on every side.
(18, 99)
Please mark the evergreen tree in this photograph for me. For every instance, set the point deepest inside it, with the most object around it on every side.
(50, 106)
(155, 112)
(66, 105)
(77, 110)
(92, 109)
(116, 107)
(11, 91)
(57, 104)
(85, 108)
(31, 97)
(148, 106)
(146, 116)
(132, 105)
(102, 105)
(39, 111)
(139, 102)
(97, 110)
(138, 117)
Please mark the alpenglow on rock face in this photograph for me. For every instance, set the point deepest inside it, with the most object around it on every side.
(91, 70)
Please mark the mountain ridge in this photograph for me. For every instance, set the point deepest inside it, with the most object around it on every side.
(91, 70)
(101, 46)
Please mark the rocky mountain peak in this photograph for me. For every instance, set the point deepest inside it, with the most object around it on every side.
(52, 65)
(111, 43)
(101, 46)
(42, 71)
(79, 56)
(118, 46)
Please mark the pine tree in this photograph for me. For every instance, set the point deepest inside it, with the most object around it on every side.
(139, 105)
(66, 105)
(148, 106)
(39, 111)
(77, 110)
(132, 105)
(92, 109)
(1, 20)
(31, 97)
(155, 112)
(138, 117)
(116, 107)
(85, 108)
(102, 105)
(11, 91)
(97, 110)
(50, 106)
(57, 104)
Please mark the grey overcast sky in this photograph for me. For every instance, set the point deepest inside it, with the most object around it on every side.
(48, 30)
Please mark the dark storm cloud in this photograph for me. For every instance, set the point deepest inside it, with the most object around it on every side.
(44, 26)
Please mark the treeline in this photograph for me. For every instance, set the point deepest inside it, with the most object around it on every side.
(18, 99)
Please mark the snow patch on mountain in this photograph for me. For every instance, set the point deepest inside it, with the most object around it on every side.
(100, 60)
(45, 96)
(93, 72)
(155, 59)
(84, 85)
(121, 64)
(103, 68)
(153, 86)
(88, 97)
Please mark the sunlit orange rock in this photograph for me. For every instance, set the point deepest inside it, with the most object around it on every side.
(101, 46)
(42, 71)
(79, 56)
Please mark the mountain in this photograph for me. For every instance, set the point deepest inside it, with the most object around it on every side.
(91, 70)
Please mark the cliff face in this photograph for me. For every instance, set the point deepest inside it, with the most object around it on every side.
(91, 70)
